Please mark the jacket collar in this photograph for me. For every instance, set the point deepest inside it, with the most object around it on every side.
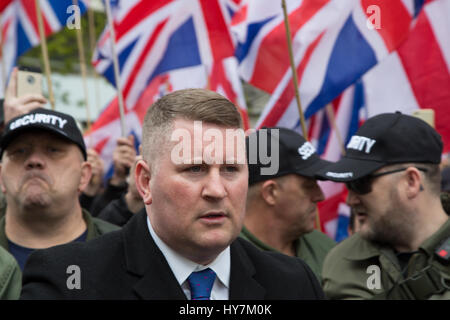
(3, 239)
(360, 249)
(92, 231)
(430, 244)
(157, 281)
(145, 260)
(243, 285)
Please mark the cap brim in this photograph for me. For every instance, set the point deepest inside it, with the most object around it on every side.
(348, 169)
(11, 135)
(311, 171)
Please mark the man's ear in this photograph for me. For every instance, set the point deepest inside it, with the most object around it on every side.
(414, 182)
(86, 174)
(142, 177)
(269, 192)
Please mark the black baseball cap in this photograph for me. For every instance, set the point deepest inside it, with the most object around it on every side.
(388, 138)
(294, 155)
(55, 122)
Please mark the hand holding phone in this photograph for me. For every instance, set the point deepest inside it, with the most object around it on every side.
(15, 104)
(28, 82)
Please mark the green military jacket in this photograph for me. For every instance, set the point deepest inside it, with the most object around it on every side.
(95, 228)
(311, 248)
(359, 269)
(10, 276)
(11, 281)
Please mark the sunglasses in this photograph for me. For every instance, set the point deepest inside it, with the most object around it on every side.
(364, 185)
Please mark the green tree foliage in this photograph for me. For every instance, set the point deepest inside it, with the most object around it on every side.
(63, 49)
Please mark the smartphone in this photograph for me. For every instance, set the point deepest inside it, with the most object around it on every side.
(29, 80)
(426, 115)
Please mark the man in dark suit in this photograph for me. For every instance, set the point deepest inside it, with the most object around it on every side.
(193, 179)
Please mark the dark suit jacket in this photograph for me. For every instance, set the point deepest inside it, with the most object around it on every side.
(127, 264)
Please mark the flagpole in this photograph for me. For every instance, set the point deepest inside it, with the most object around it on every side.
(91, 31)
(112, 37)
(295, 80)
(45, 54)
(83, 70)
(332, 118)
(294, 71)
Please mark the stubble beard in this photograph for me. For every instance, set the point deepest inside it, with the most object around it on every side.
(393, 228)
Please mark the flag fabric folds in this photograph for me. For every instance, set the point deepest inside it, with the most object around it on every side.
(333, 47)
(354, 59)
(155, 37)
(187, 43)
(363, 57)
(19, 27)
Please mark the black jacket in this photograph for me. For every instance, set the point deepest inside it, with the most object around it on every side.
(97, 203)
(117, 212)
(127, 264)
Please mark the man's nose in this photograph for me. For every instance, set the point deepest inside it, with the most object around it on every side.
(214, 188)
(352, 198)
(317, 194)
(35, 161)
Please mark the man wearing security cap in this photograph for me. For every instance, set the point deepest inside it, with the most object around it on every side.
(43, 169)
(283, 195)
(402, 251)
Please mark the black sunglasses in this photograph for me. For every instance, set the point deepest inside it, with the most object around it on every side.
(364, 185)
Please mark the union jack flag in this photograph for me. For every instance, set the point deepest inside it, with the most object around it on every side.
(333, 47)
(106, 129)
(155, 37)
(185, 43)
(19, 27)
(403, 65)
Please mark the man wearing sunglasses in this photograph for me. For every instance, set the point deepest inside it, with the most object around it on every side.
(401, 251)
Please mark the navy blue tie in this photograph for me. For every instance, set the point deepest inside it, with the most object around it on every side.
(201, 283)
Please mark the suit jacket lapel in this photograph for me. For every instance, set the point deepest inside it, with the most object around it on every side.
(146, 261)
(156, 279)
(159, 283)
(242, 284)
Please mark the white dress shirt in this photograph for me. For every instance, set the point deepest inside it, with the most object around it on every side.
(182, 268)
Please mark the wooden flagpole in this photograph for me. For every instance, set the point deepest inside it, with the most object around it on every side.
(83, 70)
(332, 118)
(91, 31)
(294, 69)
(45, 54)
(112, 37)
(295, 81)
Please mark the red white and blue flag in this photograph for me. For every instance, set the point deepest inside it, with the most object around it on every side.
(19, 27)
(333, 47)
(155, 37)
(403, 65)
(106, 129)
(185, 42)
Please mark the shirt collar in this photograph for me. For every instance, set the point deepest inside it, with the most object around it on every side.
(183, 267)
(431, 244)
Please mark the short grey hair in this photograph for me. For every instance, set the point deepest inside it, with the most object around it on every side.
(189, 104)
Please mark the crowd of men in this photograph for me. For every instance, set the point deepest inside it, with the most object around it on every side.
(204, 211)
